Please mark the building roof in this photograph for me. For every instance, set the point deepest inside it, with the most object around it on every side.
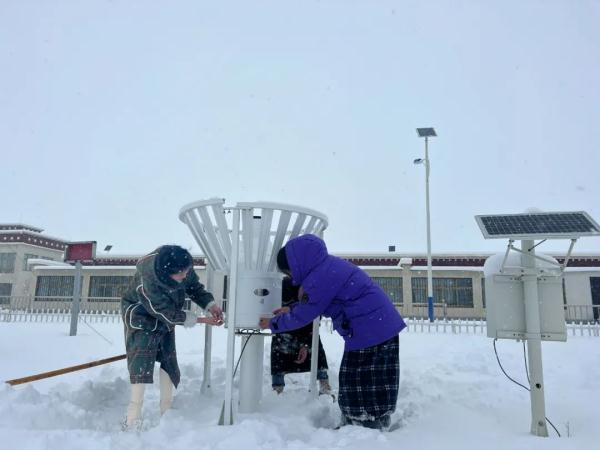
(31, 238)
(19, 226)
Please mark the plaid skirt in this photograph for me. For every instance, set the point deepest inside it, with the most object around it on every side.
(368, 384)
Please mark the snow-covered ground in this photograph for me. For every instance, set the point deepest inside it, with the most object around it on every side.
(452, 396)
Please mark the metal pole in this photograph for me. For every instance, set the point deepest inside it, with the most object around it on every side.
(534, 340)
(76, 299)
(314, 358)
(235, 236)
(210, 277)
(251, 371)
(429, 272)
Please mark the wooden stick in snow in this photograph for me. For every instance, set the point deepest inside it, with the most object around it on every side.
(54, 373)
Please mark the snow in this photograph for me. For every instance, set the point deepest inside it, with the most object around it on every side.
(452, 396)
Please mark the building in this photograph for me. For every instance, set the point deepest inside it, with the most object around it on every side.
(33, 276)
(19, 244)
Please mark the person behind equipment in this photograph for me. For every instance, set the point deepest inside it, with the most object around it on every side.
(290, 352)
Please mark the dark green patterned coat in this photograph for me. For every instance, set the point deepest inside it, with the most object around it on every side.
(151, 308)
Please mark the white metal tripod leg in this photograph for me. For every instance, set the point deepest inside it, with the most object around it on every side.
(207, 359)
(314, 358)
(210, 273)
(227, 412)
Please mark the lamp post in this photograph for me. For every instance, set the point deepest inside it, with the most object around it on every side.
(427, 133)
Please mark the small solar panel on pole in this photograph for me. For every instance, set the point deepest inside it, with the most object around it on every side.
(529, 289)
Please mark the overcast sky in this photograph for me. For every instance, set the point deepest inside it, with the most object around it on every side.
(114, 114)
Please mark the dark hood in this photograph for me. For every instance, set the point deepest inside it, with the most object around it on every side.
(148, 270)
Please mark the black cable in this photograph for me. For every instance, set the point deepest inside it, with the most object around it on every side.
(503, 371)
(242, 352)
(516, 382)
(525, 359)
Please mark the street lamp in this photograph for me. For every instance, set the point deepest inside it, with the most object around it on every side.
(427, 133)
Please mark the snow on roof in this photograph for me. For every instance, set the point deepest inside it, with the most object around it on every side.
(582, 269)
(92, 268)
(19, 226)
(84, 268)
(35, 234)
(33, 262)
(399, 254)
(449, 268)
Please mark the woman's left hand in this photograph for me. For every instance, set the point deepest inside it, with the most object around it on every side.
(216, 312)
(210, 321)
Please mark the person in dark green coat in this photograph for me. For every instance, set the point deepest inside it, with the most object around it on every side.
(151, 308)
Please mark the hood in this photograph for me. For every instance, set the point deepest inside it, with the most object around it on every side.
(146, 267)
(304, 253)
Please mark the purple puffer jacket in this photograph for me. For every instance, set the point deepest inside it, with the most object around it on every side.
(361, 312)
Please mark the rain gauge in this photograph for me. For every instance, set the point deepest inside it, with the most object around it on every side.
(241, 243)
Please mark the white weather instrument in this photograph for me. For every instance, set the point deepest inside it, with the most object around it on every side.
(524, 289)
(241, 243)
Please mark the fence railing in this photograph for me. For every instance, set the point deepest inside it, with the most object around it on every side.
(56, 309)
(580, 313)
(580, 319)
(461, 326)
(468, 326)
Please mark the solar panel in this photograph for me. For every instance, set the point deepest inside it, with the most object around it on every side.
(552, 225)
(426, 132)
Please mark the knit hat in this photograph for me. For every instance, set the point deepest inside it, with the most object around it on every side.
(173, 259)
(282, 261)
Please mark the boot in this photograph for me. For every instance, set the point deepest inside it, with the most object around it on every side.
(166, 392)
(133, 422)
(324, 387)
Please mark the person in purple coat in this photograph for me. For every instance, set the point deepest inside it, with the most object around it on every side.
(361, 313)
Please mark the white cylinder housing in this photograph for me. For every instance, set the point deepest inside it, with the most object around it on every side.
(259, 293)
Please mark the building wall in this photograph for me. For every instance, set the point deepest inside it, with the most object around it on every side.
(577, 284)
(579, 294)
(23, 280)
(87, 273)
(409, 309)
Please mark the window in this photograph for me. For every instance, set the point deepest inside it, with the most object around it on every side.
(483, 291)
(456, 292)
(392, 286)
(26, 258)
(5, 292)
(7, 262)
(108, 288)
(54, 288)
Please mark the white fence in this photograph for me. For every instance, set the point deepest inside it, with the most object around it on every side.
(58, 315)
(414, 324)
(467, 326)
(459, 326)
